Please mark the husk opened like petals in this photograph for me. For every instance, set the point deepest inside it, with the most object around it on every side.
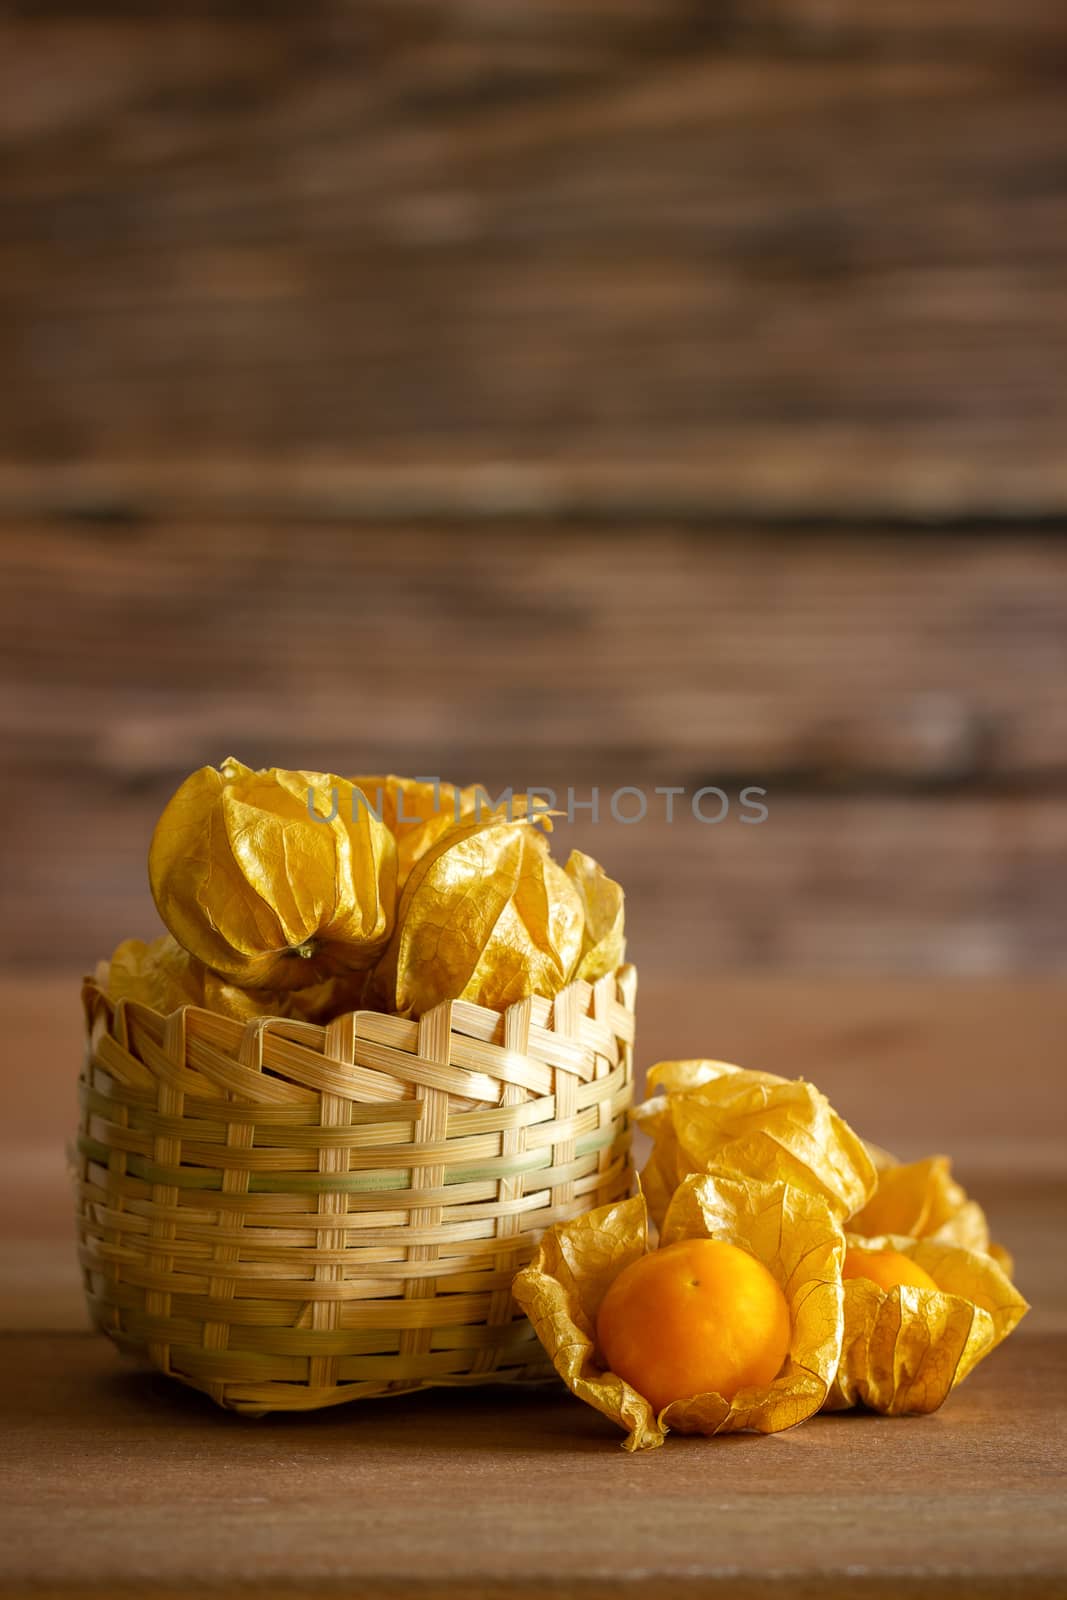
(561, 1291)
(604, 937)
(485, 916)
(906, 1348)
(776, 1129)
(262, 892)
(791, 1232)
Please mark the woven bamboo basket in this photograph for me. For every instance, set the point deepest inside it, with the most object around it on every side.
(288, 1216)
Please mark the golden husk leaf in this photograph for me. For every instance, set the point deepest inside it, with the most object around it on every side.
(922, 1200)
(561, 1290)
(791, 1231)
(316, 1002)
(160, 974)
(157, 973)
(418, 812)
(780, 1130)
(487, 916)
(260, 891)
(881, 1158)
(604, 933)
(905, 1349)
(406, 803)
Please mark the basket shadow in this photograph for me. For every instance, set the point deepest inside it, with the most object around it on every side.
(542, 1418)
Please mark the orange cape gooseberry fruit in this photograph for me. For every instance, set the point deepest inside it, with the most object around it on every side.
(697, 1317)
(889, 1269)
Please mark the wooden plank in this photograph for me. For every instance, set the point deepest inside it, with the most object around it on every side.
(900, 700)
(973, 885)
(768, 262)
(565, 654)
(970, 1068)
(489, 1494)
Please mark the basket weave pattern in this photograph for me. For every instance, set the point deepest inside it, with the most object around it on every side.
(287, 1216)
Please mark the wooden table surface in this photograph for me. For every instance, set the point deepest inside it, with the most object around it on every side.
(114, 1480)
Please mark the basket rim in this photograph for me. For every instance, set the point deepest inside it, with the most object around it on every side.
(367, 1055)
(623, 977)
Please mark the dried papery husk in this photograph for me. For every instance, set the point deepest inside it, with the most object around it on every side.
(485, 916)
(416, 812)
(561, 1291)
(155, 972)
(261, 892)
(159, 973)
(604, 931)
(922, 1200)
(774, 1129)
(905, 1349)
(792, 1232)
(664, 1166)
(882, 1158)
(420, 812)
(405, 804)
(318, 1002)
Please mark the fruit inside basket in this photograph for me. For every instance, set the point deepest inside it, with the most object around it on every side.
(385, 1043)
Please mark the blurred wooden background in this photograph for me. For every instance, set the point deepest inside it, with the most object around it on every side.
(590, 393)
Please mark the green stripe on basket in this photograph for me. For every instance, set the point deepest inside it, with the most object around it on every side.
(328, 1182)
(209, 1178)
(533, 1161)
(151, 1171)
